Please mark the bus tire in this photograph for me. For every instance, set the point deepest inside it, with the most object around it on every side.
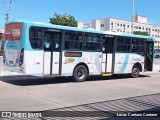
(80, 73)
(135, 71)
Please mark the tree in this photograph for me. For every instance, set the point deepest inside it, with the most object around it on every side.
(141, 33)
(66, 20)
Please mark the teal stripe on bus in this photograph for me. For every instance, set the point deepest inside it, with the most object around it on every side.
(125, 63)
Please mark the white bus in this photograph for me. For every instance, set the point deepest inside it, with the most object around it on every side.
(51, 50)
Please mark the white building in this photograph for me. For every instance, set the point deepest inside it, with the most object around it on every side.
(123, 26)
(1, 33)
(84, 25)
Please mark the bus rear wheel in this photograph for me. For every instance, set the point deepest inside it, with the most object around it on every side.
(80, 73)
(135, 71)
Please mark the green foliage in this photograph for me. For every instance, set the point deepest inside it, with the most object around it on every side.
(66, 20)
(141, 33)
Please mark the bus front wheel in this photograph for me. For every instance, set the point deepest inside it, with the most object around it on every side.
(135, 71)
(80, 73)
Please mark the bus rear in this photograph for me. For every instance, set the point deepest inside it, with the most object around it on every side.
(14, 47)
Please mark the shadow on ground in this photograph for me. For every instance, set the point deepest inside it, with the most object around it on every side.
(25, 80)
(145, 107)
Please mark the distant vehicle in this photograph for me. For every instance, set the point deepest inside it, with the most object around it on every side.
(157, 53)
(52, 50)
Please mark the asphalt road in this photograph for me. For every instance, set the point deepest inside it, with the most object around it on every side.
(25, 93)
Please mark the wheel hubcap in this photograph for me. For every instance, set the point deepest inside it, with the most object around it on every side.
(135, 71)
(80, 73)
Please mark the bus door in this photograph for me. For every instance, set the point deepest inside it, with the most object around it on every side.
(107, 60)
(52, 53)
(149, 56)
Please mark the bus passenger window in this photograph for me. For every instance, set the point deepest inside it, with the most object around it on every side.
(137, 45)
(92, 42)
(73, 40)
(123, 44)
(35, 36)
(56, 41)
(67, 44)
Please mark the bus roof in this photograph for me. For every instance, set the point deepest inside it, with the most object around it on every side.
(49, 25)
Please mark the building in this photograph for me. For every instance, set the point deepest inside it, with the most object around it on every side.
(1, 40)
(84, 25)
(123, 26)
(1, 33)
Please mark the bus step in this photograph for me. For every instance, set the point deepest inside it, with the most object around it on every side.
(107, 74)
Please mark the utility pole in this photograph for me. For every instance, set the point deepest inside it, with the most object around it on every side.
(8, 14)
(132, 16)
(7, 18)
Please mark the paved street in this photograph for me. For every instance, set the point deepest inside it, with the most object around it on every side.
(24, 93)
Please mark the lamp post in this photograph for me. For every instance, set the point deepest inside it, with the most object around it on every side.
(132, 16)
(8, 14)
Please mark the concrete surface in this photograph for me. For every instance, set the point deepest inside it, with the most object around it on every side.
(25, 94)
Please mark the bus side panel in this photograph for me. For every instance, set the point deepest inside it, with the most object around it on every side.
(109, 62)
(55, 61)
(121, 62)
(33, 61)
(47, 63)
(125, 61)
(97, 63)
(91, 59)
(68, 64)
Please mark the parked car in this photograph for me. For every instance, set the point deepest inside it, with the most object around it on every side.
(157, 53)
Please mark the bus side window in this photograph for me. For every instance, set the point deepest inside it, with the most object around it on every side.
(47, 43)
(123, 44)
(56, 44)
(35, 37)
(92, 42)
(67, 45)
(73, 40)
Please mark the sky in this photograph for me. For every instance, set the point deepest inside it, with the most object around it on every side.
(82, 10)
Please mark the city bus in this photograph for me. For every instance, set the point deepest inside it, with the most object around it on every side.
(44, 49)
